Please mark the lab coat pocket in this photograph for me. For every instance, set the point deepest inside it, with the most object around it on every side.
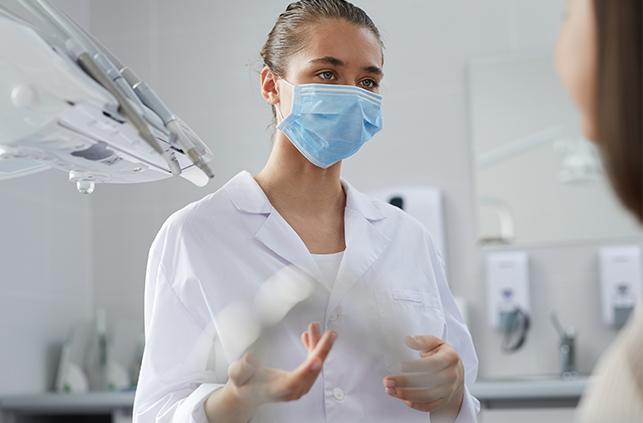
(403, 312)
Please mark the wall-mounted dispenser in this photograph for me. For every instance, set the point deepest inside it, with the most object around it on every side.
(620, 274)
(508, 296)
(423, 203)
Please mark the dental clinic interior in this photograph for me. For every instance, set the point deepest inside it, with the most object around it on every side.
(480, 143)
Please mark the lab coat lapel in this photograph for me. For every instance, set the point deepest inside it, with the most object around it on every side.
(273, 232)
(365, 242)
(281, 238)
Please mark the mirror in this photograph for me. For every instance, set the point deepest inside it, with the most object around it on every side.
(537, 180)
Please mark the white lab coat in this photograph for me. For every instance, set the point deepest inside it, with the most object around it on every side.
(220, 249)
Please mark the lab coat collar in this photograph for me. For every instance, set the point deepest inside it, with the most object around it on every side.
(361, 203)
(365, 241)
(247, 196)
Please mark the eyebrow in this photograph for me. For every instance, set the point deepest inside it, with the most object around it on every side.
(337, 62)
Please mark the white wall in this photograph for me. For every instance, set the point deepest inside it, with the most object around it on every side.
(46, 285)
(46, 278)
(202, 56)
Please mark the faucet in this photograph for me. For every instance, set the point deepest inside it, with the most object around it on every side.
(566, 348)
(506, 223)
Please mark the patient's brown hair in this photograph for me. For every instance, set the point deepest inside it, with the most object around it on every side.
(619, 114)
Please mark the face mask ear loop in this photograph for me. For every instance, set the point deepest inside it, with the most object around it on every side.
(279, 114)
(278, 109)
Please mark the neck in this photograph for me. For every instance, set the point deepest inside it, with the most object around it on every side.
(293, 183)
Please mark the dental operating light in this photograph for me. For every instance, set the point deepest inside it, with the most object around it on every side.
(68, 103)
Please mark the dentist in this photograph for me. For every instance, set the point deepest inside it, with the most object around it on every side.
(379, 285)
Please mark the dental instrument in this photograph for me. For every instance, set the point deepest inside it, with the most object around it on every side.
(84, 51)
(138, 90)
(71, 107)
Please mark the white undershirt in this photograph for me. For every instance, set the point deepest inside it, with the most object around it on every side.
(329, 267)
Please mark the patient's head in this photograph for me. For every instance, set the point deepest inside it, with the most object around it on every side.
(598, 57)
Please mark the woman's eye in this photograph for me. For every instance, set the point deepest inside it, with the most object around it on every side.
(369, 83)
(327, 75)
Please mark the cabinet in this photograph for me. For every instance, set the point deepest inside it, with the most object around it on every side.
(534, 415)
(503, 401)
(108, 407)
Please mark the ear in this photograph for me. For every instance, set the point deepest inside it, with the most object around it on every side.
(269, 86)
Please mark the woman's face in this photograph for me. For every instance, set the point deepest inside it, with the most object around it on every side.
(336, 52)
(576, 60)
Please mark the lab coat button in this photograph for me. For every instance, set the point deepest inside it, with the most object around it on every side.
(338, 393)
(336, 315)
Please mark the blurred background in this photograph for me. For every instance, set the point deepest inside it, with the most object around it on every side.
(472, 107)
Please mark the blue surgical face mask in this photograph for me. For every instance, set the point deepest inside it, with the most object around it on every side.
(328, 123)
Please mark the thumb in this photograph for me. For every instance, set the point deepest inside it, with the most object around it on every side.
(423, 343)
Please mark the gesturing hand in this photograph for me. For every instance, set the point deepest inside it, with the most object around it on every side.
(433, 383)
(250, 385)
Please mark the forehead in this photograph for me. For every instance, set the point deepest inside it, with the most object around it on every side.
(352, 44)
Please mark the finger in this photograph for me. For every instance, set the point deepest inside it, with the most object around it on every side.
(423, 343)
(444, 377)
(442, 359)
(432, 406)
(242, 370)
(420, 395)
(325, 343)
(305, 340)
(299, 381)
(427, 365)
(317, 356)
(314, 333)
(410, 380)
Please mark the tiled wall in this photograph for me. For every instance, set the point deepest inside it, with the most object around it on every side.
(46, 285)
(45, 276)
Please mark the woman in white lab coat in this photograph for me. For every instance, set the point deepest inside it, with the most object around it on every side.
(364, 272)
(600, 60)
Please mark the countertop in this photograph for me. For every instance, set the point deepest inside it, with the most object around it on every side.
(54, 402)
(535, 388)
(493, 393)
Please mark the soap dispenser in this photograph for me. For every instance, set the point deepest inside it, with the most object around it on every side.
(620, 275)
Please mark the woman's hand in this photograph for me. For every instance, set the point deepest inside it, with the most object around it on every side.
(434, 383)
(250, 385)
